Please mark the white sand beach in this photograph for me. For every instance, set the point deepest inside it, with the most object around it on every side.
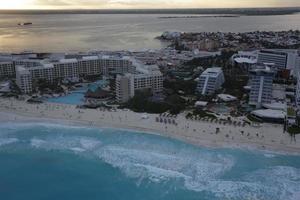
(202, 133)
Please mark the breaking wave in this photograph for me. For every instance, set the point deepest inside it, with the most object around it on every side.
(158, 160)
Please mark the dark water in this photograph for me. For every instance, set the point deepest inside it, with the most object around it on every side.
(82, 32)
(47, 161)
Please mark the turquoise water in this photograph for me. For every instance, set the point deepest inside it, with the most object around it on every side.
(47, 161)
(76, 97)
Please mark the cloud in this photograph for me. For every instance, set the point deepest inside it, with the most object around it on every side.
(70, 3)
(160, 3)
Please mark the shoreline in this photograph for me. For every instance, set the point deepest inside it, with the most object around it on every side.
(195, 133)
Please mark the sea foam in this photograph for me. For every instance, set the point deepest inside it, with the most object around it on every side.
(157, 160)
(6, 141)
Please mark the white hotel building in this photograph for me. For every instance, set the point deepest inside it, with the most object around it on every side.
(144, 77)
(24, 79)
(281, 58)
(261, 82)
(66, 69)
(124, 87)
(210, 81)
(71, 68)
(45, 71)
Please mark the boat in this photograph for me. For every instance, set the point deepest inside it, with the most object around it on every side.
(25, 24)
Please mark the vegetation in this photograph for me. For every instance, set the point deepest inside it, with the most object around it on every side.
(235, 81)
(235, 77)
(92, 78)
(45, 86)
(141, 103)
(15, 90)
(202, 114)
(291, 112)
(188, 87)
(293, 130)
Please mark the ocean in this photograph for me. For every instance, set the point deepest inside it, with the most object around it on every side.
(40, 161)
(83, 32)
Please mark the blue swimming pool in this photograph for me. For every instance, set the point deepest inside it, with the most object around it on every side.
(76, 97)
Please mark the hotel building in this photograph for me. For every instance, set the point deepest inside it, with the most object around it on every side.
(280, 59)
(45, 72)
(124, 87)
(210, 81)
(66, 69)
(90, 65)
(24, 79)
(7, 69)
(117, 64)
(261, 82)
(74, 67)
(144, 77)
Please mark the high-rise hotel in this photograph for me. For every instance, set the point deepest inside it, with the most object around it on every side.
(261, 82)
(210, 81)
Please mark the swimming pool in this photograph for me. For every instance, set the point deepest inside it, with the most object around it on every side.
(221, 108)
(76, 97)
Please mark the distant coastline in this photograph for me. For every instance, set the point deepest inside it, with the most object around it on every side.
(197, 16)
(219, 11)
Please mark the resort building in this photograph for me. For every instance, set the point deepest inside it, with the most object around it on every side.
(124, 87)
(72, 67)
(298, 92)
(144, 77)
(45, 72)
(117, 64)
(66, 69)
(261, 83)
(210, 81)
(24, 79)
(90, 65)
(28, 62)
(148, 77)
(7, 69)
(279, 59)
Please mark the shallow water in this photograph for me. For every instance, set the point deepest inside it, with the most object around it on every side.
(50, 161)
(76, 32)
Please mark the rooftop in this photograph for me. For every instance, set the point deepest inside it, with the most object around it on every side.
(214, 71)
(269, 113)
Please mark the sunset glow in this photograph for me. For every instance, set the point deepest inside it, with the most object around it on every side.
(127, 4)
(15, 4)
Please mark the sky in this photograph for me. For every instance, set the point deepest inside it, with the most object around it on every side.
(135, 4)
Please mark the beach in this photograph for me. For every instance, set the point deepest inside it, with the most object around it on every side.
(201, 133)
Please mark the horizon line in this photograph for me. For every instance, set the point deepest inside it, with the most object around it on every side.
(116, 9)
